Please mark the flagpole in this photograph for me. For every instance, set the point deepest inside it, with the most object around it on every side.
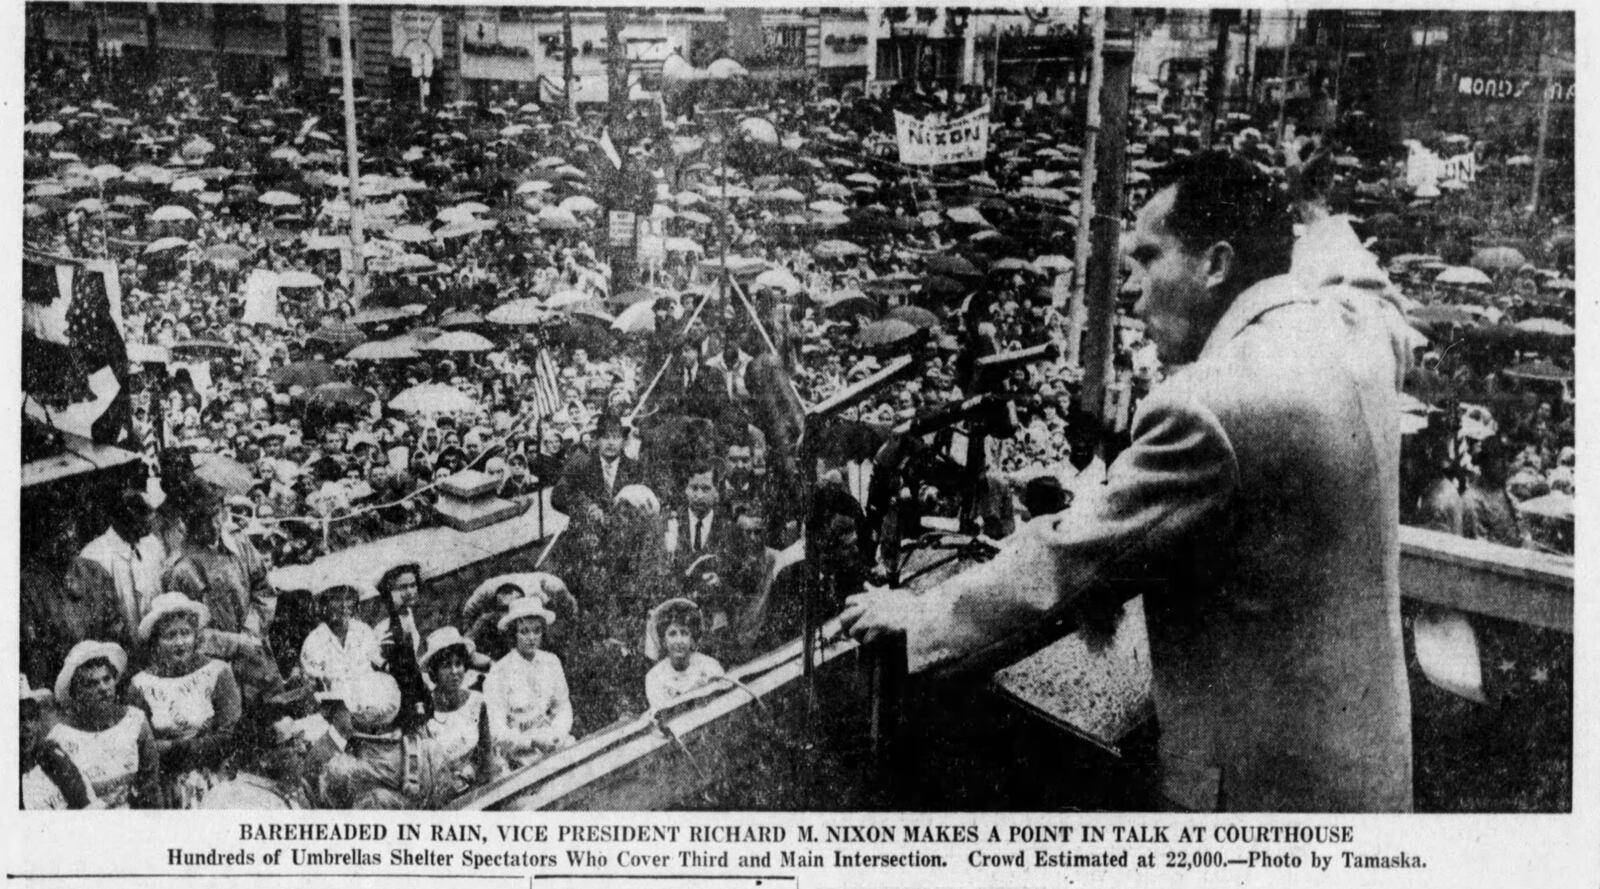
(1077, 312)
(358, 280)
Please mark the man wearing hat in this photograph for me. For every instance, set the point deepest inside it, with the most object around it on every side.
(590, 481)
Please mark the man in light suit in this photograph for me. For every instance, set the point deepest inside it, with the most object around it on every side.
(1256, 511)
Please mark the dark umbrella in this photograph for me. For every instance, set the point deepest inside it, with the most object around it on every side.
(943, 287)
(340, 336)
(887, 287)
(952, 265)
(204, 347)
(849, 306)
(309, 374)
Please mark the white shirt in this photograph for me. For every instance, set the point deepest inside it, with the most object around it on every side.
(328, 661)
(609, 469)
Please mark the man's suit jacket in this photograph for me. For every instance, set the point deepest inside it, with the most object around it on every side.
(1257, 512)
(583, 481)
(715, 541)
(704, 396)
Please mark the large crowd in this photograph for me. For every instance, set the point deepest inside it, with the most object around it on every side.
(284, 415)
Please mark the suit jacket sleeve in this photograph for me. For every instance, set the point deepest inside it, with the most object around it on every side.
(571, 494)
(1175, 478)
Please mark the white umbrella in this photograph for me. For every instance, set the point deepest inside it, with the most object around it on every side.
(683, 245)
(556, 217)
(384, 350)
(726, 69)
(162, 245)
(473, 207)
(579, 203)
(296, 279)
(687, 199)
(188, 184)
(106, 172)
(519, 312)
(409, 234)
(637, 318)
(778, 279)
(458, 341)
(863, 179)
(828, 207)
(1052, 262)
(695, 217)
(567, 298)
(533, 186)
(326, 242)
(172, 213)
(1464, 276)
(279, 199)
(1545, 325)
(433, 398)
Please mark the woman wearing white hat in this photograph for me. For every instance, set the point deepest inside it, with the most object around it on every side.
(530, 712)
(460, 715)
(110, 742)
(192, 700)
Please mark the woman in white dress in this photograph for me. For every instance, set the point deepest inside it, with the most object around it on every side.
(530, 712)
(341, 648)
(110, 742)
(460, 715)
(674, 632)
(192, 700)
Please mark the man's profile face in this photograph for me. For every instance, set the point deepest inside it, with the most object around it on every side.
(1175, 303)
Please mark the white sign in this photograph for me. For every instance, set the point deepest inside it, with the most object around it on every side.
(929, 143)
(417, 26)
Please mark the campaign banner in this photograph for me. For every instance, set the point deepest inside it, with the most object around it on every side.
(1462, 168)
(934, 142)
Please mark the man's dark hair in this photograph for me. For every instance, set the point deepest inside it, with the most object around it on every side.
(1220, 197)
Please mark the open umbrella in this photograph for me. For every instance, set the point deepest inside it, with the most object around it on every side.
(1542, 371)
(886, 332)
(226, 254)
(1554, 505)
(463, 318)
(916, 316)
(1495, 259)
(952, 265)
(837, 249)
(1545, 325)
(339, 395)
(223, 472)
(162, 245)
(519, 313)
(400, 349)
(458, 341)
(637, 318)
(378, 315)
(309, 374)
(433, 398)
(778, 279)
(279, 199)
(201, 348)
(1465, 276)
(683, 245)
(172, 213)
(410, 234)
(340, 337)
(847, 304)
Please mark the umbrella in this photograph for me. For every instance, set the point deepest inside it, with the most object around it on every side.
(309, 374)
(1554, 505)
(847, 304)
(401, 349)
(464, 228)
(465, 318)
(204, 347)
(694, 216)
(952, 265)
(966, 216)
(885, 333)
(1463, 275)
(410, 234)
(1440, 315)
(863, 179)
(433, 398)
(1498, 259)
(297, 279)
(534, 186)
(637, 318)
(833, 190)
(378, 315)
(339, 395)
(1544, 371)
(1052, 263)
(889, 287)
(224, 472)
(519, 312)
(579, 203)
(226, 254)
(279, 199)
(162, 245)
(90, 205)
(458, 341)
(916, 316)
(341, 336)
(1545, 325)
(831, 208)
(837, 249)
(557, 218)
(726, 69)
(682, 245)
(568, 298)
(172, 213)
(778, 279)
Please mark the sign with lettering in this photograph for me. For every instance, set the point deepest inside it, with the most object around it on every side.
(622, 228)
(933, 142)
(1499, 88)
(414, 26)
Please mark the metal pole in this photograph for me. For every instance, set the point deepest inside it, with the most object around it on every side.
(1077, 314)
(1544, 125)
(358, 285)
(1283, 95)
(1218, 84)
(1104, 273)
(566, 63)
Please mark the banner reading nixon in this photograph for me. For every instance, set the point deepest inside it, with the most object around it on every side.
(928, 143)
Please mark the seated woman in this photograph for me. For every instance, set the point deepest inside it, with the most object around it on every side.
(530, 712)
(192, 700)
(674, 630)
(110, 742)
(460, 720)
(50, 780)
(341, 648)
(483, 609)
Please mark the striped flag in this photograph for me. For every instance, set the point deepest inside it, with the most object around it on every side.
(546, 387)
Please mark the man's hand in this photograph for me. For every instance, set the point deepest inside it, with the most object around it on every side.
(871, 614)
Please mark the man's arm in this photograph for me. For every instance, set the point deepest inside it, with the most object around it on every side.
(1175, 478)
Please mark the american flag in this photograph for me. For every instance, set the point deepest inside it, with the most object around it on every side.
(545, 388)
